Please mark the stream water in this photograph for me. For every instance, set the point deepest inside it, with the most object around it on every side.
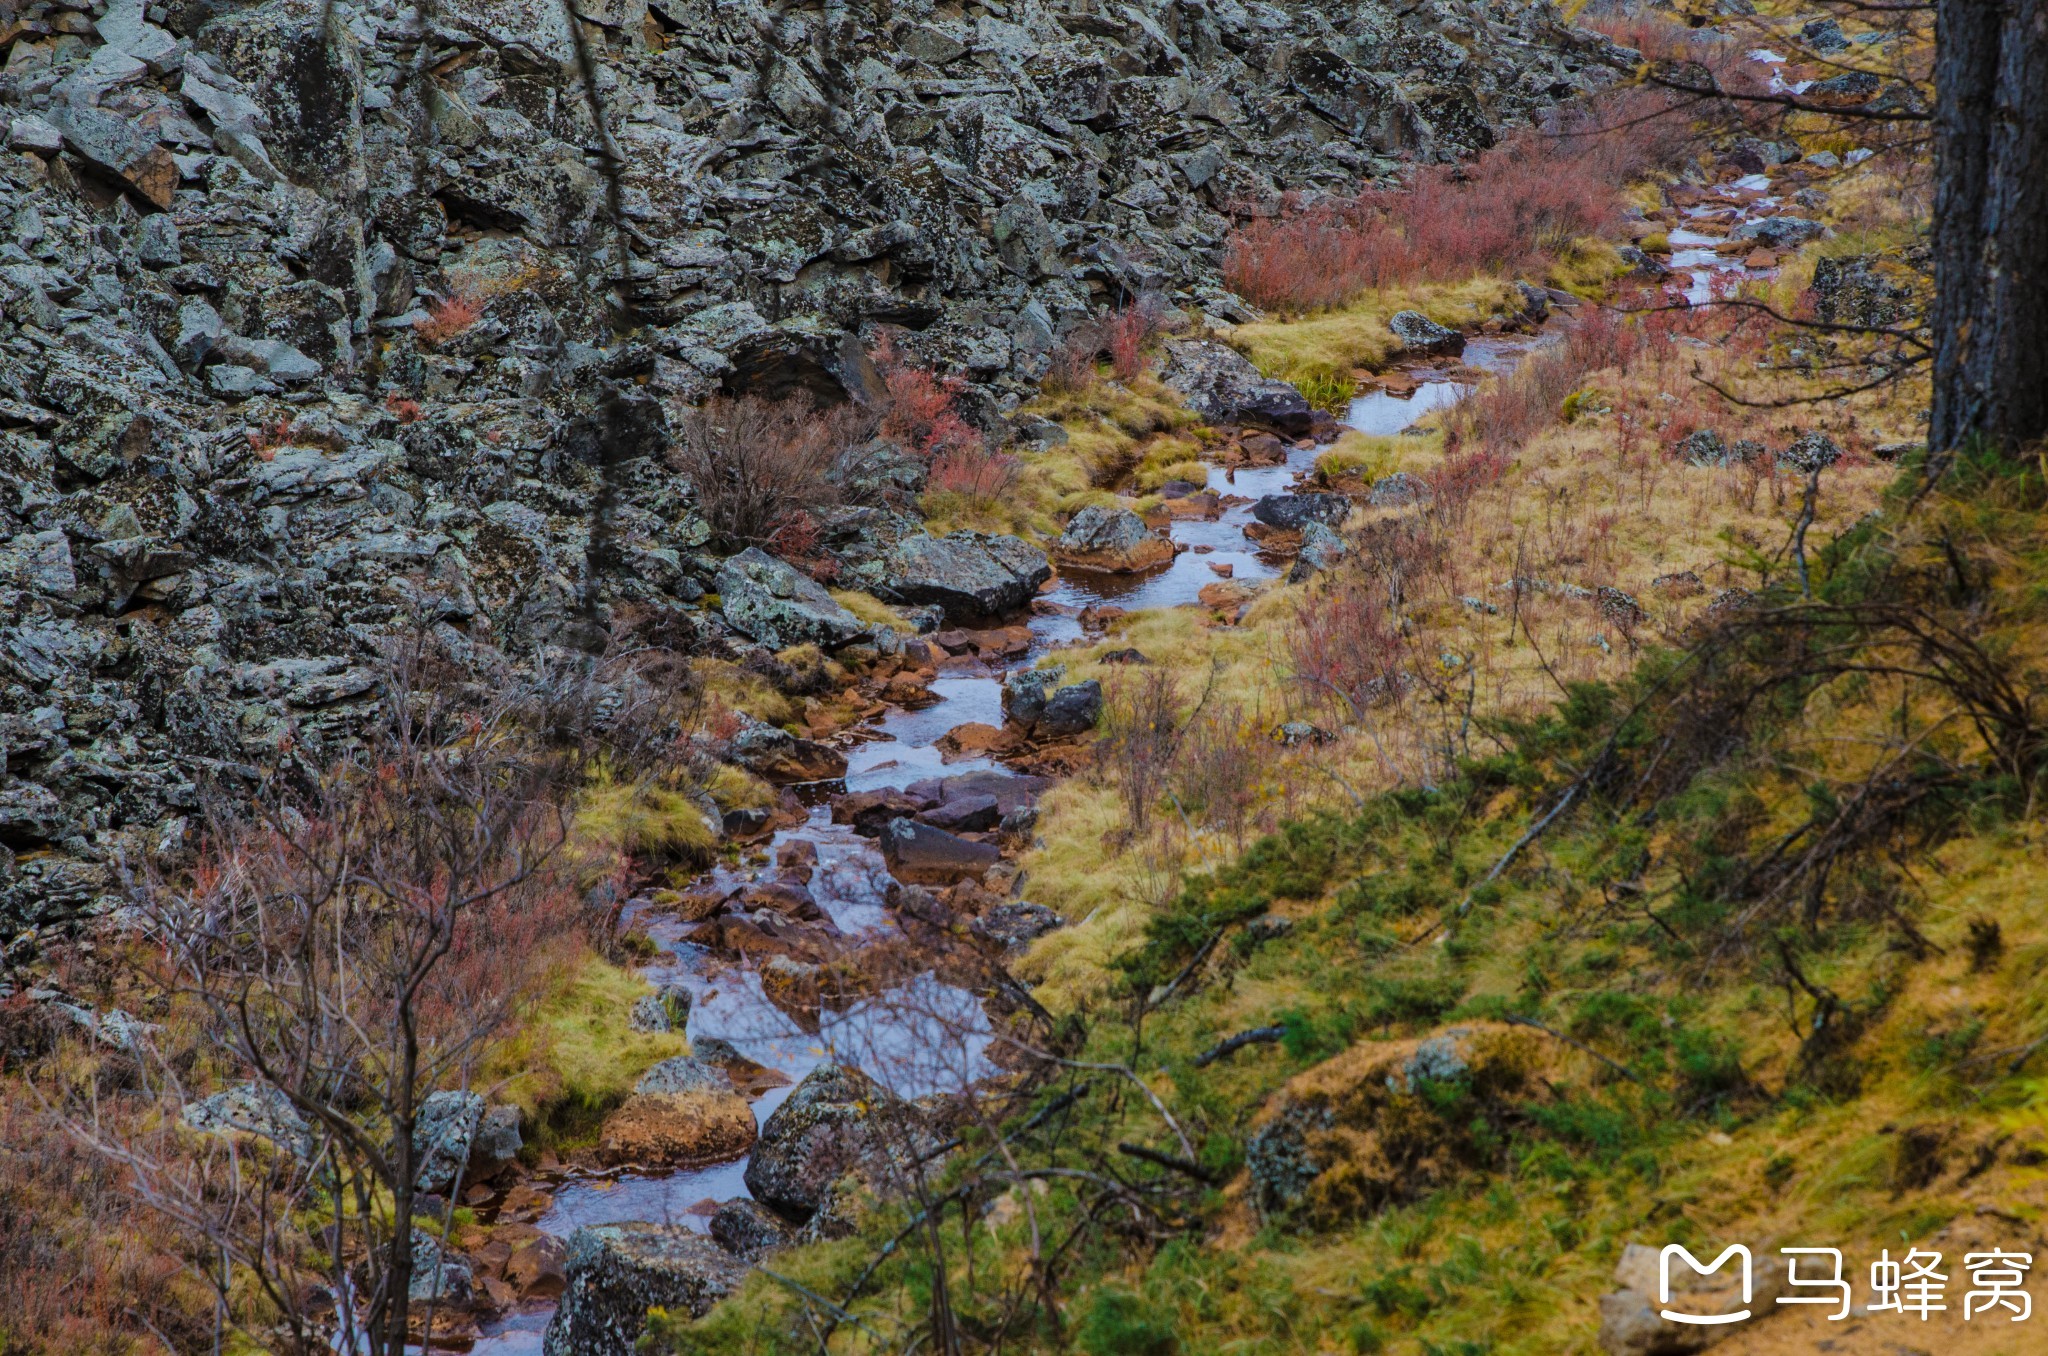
(930, 1037)
(927, 1037)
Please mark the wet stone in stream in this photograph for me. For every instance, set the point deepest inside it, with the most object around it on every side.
(849, 1082)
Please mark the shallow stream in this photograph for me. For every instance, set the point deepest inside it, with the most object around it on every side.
(911, 1039)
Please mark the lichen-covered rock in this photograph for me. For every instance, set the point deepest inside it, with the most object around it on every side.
(667, 1009)
(1025, 692)
(441, 1136)
(1419, 334)
(1385, 1123)
(1809, 452)
(683, 1073)
(749, 1230)
(770, 601)
(1779, 232)
(1860, 289)
(617, 1272)
(1293, 512)
(252, 1109)
(837, 1122)
(1703, 447)
(1399, 490)
(1222, 386)
(975, 576)
(1115, 540)
(1015, 924)
(1321, 549)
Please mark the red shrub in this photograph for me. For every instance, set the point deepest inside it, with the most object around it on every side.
(265, 439)
(1345, 647)
(924, 413)
(1071, 366)
(795, 537)
(980, 473)
(449, 317)
(1126, 333)
(1507, 211)
(1504, 414)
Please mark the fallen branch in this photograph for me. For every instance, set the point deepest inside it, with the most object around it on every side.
(1584, 1049)
(1167, 1161)
(1258, 1035)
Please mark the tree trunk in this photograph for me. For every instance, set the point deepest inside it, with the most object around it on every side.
(1991, 223)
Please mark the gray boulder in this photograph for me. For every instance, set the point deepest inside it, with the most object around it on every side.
(1809, 452)
(617, 1272)
(683, 1073)
(777, 605)
(1779, 232)
(749, 1230)
(1222, 386)
(1703, 447)
(457, 1138)
(974, 576)
(1294, 512)
(838, 1121)
(1070, 711)
(252, 1109)
(1419, 334)
(1026, 691)
(1399, 490)
(1015, 924)
(1321, 549)
(668, 1009)
(1853, 291)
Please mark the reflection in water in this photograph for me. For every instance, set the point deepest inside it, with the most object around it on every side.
(926, 1036)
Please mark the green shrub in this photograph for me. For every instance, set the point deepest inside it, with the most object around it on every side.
(1119, 1323)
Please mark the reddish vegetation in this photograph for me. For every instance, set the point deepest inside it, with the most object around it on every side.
(265, 439)
(449, 317)
(980, 472)
(83, 1269)
(1345, 648)
(1504, 414)
(1122, 336)
(924, 409)
(407, 410)
(1508, 211)
(1126, 333)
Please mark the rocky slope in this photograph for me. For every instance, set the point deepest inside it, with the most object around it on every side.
(325, 326)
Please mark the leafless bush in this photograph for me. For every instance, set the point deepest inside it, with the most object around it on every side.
(1141, 732)
(756, 463)
(345, 954)
(1216, 773)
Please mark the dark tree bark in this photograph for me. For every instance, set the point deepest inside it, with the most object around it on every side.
(1991, 223)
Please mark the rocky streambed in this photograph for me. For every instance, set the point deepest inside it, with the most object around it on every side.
(810, 960)
(821, 982)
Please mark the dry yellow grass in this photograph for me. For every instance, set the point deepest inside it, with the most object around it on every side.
(1583, 507)
(1335, 342)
